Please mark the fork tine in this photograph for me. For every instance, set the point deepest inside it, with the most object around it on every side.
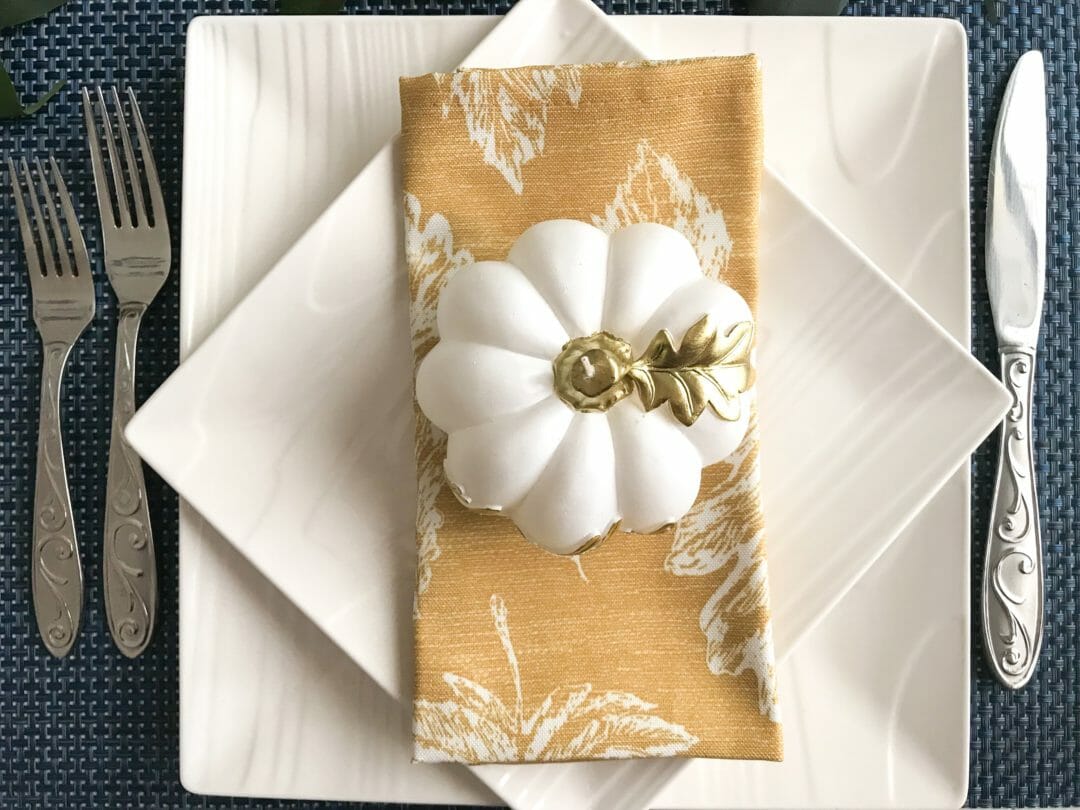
(43, 235)
(114, 161)
(101, 184)
(153, 184)
(134, 175)
(53, 219)
(75, 236)
(33, 264)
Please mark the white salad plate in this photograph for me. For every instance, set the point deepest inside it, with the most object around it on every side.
(277, 123)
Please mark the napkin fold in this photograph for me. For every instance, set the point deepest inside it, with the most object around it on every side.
(646, 646)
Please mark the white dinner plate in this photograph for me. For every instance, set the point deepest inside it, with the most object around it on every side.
(292, 179)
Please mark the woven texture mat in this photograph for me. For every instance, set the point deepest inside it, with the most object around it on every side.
(98, 730)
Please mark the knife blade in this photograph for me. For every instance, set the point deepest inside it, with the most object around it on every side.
(1012, 587)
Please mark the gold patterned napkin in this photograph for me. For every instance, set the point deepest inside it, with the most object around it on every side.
(646, 646)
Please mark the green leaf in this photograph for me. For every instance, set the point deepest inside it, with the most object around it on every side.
(11, 105)
(805, 8)
(311, 6)
(13, 12)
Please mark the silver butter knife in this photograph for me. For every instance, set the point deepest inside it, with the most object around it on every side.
(1012, 588)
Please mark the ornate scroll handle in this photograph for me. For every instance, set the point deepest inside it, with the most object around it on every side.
(55, 573)
(130, 572)
(1012, 590)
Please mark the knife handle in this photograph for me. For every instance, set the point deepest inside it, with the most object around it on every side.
(1012, 588)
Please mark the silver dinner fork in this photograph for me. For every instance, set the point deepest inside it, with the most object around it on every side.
(62, 290)
(138, 255)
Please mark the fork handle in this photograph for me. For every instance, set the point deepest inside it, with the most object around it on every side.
(130, 571)
(56, 573)
(1012, 589)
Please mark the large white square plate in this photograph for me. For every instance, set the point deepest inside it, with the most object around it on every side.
(259, 200)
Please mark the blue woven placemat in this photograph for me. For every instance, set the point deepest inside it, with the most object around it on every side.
(100, 731)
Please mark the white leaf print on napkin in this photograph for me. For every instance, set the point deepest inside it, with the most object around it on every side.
(572, 722)
(506, 111)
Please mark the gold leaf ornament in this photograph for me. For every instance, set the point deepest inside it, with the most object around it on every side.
(711, 368)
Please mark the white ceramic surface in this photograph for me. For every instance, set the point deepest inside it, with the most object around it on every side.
(244, 648)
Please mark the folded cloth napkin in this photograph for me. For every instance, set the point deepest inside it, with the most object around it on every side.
(646, 646)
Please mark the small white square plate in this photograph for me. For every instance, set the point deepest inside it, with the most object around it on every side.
(229, 40)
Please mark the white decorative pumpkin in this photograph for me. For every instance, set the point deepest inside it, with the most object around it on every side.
(586, 381)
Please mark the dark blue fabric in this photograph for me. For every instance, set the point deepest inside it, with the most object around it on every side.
(98, 730)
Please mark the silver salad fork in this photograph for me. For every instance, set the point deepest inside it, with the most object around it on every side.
(62, 290)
